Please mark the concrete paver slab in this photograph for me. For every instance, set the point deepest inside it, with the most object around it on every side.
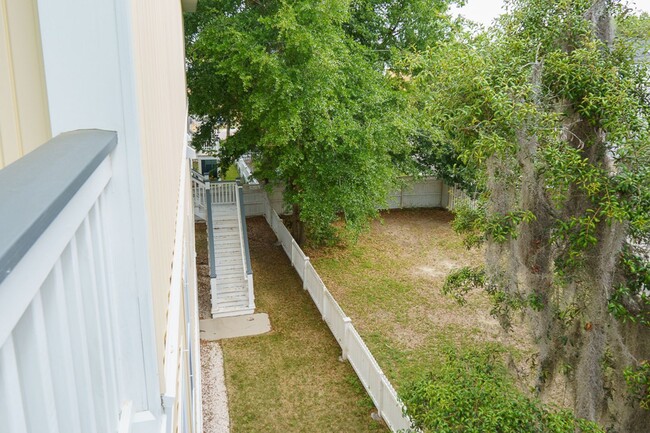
(233, 327)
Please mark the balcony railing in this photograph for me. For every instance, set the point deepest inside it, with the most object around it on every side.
(58, 365)
(76, 344)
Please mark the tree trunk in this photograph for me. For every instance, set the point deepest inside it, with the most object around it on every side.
(297, 226)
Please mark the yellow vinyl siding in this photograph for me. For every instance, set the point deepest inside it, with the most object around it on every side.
(24, 116)
(160, 79)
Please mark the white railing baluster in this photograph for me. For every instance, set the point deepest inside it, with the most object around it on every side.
(223, 192)
(72, 282)
(12, 411)
(49, 417)
(99, 321)
(30, 344)
(89, 296)
(108, 321)
(63, 363)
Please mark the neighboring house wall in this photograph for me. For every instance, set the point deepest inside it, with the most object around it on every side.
(24, 117)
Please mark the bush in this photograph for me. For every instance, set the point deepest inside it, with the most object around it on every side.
(472, 392)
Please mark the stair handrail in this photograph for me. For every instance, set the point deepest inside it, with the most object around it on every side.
(244, 235)
(198, 190)
(239, 204)
(198, 176)
(210, 224)
(244, 230)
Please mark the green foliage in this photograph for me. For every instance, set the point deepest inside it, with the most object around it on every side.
(547, 116)
(438, 157)
(638, 382)
(478, 226)
(630, 301)
(634, 30)
(477, 94)
(470, 221)
(460, 282)
(389, 27)
(308, 100)
(471, 391)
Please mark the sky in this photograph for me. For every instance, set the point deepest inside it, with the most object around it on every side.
(484, 11)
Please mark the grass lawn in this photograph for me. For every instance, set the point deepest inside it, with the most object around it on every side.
(232, 173)
(289, 380)
(390, 284)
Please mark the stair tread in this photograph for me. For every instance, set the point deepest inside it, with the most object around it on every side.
(228, 257)
(229, 251)
(230, 265)
(223, 309)
(231, 281)
(233, 290)
(225, 235)
(221, 306)
(226, 272)
(231, 296)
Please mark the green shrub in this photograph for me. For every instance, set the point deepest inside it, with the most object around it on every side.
(472, 392)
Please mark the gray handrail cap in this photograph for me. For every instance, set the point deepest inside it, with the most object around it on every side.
(35, 188)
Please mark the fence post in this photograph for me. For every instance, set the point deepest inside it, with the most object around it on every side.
(322, 302)
(347, 324)
(304, 273)
(380, 399)
(293, 252)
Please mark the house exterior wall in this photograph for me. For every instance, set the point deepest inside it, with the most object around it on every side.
(24, 116)
(87, 59)
(118, 65)
(161, 98)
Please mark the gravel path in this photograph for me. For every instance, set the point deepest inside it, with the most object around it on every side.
(213, 389)
(213, 384)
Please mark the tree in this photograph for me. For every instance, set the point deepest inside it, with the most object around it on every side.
(551, 113)
(307, 100)
(391, 27)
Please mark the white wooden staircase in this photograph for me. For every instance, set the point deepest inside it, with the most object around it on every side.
(231, 278)
(231, 294)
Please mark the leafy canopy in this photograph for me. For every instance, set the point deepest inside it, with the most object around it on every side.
(308, 100)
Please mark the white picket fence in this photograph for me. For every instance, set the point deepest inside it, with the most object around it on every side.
(353, 348)
(457, 196)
